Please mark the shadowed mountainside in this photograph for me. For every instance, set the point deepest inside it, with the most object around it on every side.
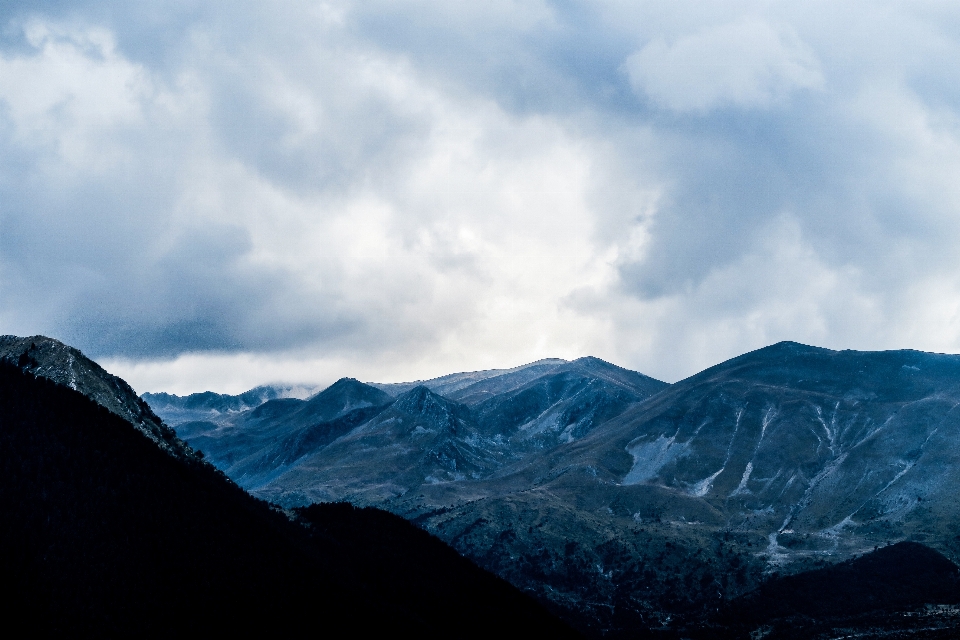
(817, 449)
(102, 533)
(51, 359)
(884, 592)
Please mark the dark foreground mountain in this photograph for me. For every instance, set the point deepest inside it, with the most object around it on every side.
(885, 591)
(53, 360)
(103, 533)
(636, 506)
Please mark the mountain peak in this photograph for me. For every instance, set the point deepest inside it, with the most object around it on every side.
(343, 396)
(424, 403)
(350, 385)
(49, 358)
(802, 346)
(418, 399)
(453, 384)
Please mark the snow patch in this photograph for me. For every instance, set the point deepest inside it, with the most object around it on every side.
(776, 555)
(650, 457)
(742, 487)
(703, 487)
(768, 417)
(837, 529)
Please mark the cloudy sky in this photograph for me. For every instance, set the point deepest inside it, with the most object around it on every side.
(213, 195)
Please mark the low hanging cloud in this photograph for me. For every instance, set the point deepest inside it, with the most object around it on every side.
(209, 196)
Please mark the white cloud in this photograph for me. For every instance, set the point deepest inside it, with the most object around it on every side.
(72, 93)
(777, 289)
(746, 63)
(398, 190)
(451, 236)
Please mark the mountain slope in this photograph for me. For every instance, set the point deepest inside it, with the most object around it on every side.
(422, 438)
(255, 445)
(561, 405)
(102, 533)
(778, 460)
(803, 443)
(51, 359)
(886, 590)
(454, 383)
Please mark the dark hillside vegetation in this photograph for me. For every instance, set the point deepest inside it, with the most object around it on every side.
(901, 576)
(61, 363)
(906, 590)
(428, 570)
(102, 533)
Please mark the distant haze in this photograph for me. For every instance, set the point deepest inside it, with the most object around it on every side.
(205, 195)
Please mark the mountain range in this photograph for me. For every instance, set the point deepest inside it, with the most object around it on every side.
(297, 451)
(619, 499)
(792, 492)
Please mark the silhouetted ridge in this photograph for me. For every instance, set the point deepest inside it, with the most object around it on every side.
(65, 365)
(429, 573)
(103, 534)
(898, 577)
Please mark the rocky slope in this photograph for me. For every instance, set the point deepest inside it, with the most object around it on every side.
(67, 366)
(493, 379)
(818, 451)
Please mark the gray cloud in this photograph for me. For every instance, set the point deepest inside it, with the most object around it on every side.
(746, 63)
(411, 187)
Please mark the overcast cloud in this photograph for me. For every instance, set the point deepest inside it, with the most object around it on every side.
(215, 195)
